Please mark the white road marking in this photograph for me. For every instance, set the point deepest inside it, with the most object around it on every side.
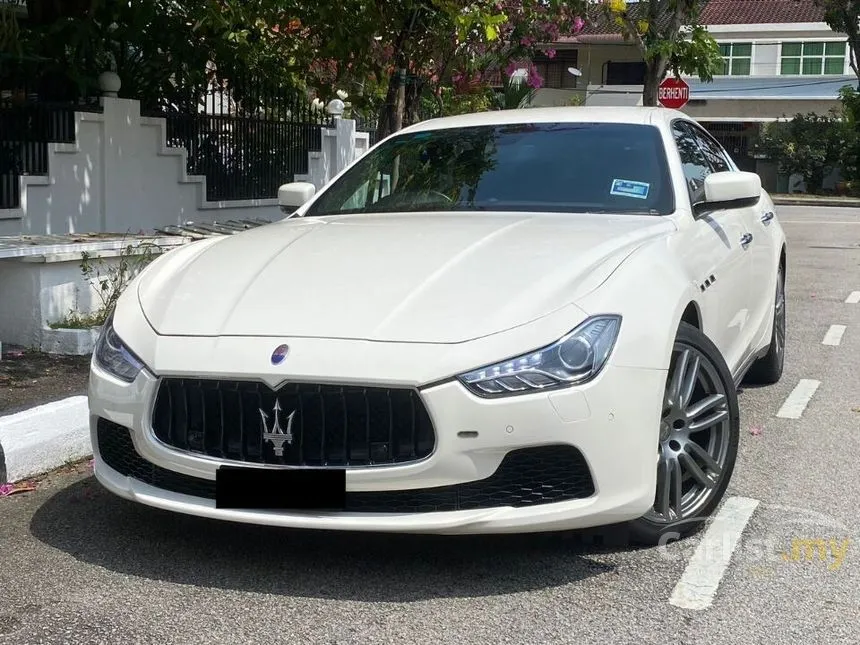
(834, 335)
(799, 398)
(853, 299)
(698, 584)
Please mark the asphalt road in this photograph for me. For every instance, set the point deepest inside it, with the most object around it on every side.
(80, 566)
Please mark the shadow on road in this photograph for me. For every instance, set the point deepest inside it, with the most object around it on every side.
(98, 528)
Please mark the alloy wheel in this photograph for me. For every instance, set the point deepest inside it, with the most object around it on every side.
(695, 435)
(779, 319)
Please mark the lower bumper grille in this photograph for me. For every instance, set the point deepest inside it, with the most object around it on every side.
(296, 425)
(526, 477)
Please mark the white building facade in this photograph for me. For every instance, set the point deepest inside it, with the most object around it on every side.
(780, 59)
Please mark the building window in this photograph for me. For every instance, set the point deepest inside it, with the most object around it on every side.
(737, 59)
(554, 70)
(625, 73)
(813, 59)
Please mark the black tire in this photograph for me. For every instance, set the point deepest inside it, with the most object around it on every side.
(649, 531)
(768, 369)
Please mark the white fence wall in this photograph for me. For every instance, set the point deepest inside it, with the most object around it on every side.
(119, 176)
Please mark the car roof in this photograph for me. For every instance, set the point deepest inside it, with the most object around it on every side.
(571, 114)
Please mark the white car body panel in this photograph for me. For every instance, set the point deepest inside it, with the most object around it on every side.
(435, 278)
(414, 300)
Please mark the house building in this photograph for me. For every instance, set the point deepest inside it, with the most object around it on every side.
(781, 59)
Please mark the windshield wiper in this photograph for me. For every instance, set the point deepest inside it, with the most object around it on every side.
(611, 211)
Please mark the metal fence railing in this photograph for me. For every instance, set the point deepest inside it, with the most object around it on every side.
(367, 124)
(245, 140)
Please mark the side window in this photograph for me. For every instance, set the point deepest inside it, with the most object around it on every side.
(696, 166)
(713, 151)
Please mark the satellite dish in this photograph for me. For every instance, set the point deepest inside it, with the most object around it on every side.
(574, 71)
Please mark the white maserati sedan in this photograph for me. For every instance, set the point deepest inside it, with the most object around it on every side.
(517, 321)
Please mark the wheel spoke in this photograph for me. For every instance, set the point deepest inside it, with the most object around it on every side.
(663, 487)
(690, 379)
(677, 490)
(709, 422)
(705, 405)
(695, 450)
(673, 396)
(694, 470)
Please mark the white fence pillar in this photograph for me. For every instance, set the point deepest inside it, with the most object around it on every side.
(341, 145)
(126, 204)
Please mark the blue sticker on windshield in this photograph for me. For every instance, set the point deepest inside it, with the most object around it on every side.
(624, 188)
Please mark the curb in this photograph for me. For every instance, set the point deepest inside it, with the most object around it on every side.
(43, 438)
(779, 200)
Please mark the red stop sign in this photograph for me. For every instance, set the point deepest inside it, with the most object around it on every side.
(673, 93)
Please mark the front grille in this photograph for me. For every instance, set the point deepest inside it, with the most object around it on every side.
(313, 425)
(526, 477)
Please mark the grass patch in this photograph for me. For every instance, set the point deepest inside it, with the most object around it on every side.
(75, 320)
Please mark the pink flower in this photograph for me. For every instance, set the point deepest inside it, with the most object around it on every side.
(578, 24)
(6, 489)
(535, 80)
(550, 53)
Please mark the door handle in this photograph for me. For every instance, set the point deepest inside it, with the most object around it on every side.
(746, 238)
(767, 217)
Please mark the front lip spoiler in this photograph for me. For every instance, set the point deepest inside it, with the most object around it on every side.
(135, 490)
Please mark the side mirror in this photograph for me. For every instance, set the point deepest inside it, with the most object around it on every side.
(730, 189)
(293, 195)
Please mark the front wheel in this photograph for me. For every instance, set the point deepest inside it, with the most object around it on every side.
(768, 369)
(698, 445)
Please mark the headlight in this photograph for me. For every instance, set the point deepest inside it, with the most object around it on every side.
(112, 355)
(576, 358)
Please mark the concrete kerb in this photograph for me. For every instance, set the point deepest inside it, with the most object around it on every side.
(41, 439)
(816, 200)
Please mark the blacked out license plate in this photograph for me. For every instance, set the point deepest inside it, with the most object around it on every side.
(237, 487)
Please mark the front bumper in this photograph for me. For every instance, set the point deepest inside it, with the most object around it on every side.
(613, 421)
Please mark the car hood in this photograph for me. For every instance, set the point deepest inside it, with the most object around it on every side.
(429, 278)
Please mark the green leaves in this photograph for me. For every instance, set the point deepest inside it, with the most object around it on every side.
(697, 54)
(810, 144)
(668, 37)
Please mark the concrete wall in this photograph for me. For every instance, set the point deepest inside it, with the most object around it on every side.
(35, 293)
(41, 288)
(756, 110)
(119, 176)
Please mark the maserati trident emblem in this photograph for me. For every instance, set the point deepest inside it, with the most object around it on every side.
(278, 435)
(280, 354)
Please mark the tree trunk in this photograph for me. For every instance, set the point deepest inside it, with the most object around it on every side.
(649, 92)
(654, 73)
(413, 102)
(399, 102)
(391, 113)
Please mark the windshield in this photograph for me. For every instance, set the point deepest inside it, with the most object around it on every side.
(543, 167)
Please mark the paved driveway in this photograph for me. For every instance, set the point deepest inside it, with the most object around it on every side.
(80, 566)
